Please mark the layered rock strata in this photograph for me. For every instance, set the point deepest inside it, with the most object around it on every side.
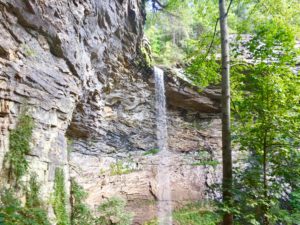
(75, 67)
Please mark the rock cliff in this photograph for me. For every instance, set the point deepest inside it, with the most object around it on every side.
(77, 67)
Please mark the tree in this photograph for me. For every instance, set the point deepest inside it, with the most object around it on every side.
(265, 122)
(266, 99)
(226, 134)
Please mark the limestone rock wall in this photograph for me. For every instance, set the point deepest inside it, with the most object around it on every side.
(75, 66)
(58, 58)
(116, 160)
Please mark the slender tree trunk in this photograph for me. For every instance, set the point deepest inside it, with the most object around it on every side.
(226, 135)
(265, 181)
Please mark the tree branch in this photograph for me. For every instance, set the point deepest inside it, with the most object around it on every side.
(215, 29)
(213, 38)
(154, 2)
(158, 6)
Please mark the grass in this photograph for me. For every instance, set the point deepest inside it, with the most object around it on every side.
(196, 213)
(213, 163)
(113, 212)
(153, 151)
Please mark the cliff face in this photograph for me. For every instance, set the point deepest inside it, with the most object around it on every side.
(76, 67)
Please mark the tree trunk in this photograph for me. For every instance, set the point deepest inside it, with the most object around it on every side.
(265, 181)
(226, 135)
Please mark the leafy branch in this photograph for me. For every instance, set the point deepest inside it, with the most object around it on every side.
(215, 29)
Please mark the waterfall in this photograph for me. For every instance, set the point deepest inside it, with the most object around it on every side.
(163, 173)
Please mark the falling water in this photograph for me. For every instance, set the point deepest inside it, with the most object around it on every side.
(163, 174)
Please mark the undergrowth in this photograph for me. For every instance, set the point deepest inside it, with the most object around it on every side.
(112, 212)
(196, 214)
(80, 214)
(12, 211)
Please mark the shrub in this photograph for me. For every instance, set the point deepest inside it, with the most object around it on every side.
(34, 205)
(19, 147)
(60, 198)
(33, 213)
(80, 214)
(10, 208)
(119, 168)
(112, 212)
(32, 194)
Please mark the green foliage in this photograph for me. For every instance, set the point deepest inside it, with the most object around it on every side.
(249, 14)
(196, 214)
(184, 32)
(265, 93)
(203, 71)
(60, 198)
(34, 204)
(19, 147)
(33, 213)
(212, 163)
(295, 200)
(153, 151)
(112, 212)
(204, 158)
(269, 134)
(10, 208)
(168, 31)
(119, 168)
(33, 193)
(294, 203)
(80, 214)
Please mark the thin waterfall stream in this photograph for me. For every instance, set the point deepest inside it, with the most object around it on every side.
(163, 173)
